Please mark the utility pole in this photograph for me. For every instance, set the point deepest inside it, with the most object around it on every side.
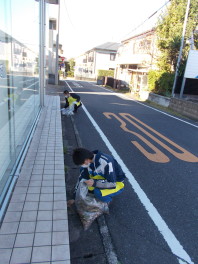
(42, 51)
(57, 46)
(181, 48)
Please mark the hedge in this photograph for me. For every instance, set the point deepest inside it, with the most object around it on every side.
(160, 82)
(103, 73)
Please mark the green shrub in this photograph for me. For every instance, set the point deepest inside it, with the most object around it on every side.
(103, 73)
(70, 74)
(160, 82)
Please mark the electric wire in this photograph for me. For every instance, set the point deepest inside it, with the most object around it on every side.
(68, 15)
(146, 19)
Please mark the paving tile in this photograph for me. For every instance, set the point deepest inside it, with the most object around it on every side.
(9, 228)
(57, 162)
(59, 171)
(49, 167)
(49, 162)
(48, 172)
(28, 162)
(22, 183)
(25, 171)
(32, 197)
(35, 183)
(39, 162)
(44, 226)
(7, 241)
(5, 255)
(38, 166)
(41, 254)
(15, 207)
(43, 239)
(25, 176)
(45, 206)
(47, 183)
(50, 153)
(60, 252)
(60, 197)
(21, 255)
(18, 190)
(40, 154)
(60, 225)
(44, 215)
(59, 189)
(49, 158)
(46, 197)
(34, 189)
(59, 183)
(31, 206)
(29, 216)
(60, 205)
(59, 176)
(60, 214)
(48, 177)
(47, 189)
(36, 177)
(39, 158)
(24, 240)
(60, 262)
(12, 217)
(59, 238)
(18, 197)
(37, 171)
(26, 227)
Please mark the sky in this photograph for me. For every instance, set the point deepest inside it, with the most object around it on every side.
(89, 23)
(83, 24)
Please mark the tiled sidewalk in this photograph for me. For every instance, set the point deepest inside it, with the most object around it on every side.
(35, 227)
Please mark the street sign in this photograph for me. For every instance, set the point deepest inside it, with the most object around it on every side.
(191, 70)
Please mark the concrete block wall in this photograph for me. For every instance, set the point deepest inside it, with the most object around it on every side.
(158, 99)
(186, 108)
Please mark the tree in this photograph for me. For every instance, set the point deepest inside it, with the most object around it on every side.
(169, 33)
(69, 66)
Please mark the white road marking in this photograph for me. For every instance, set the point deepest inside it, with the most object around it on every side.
(161, 225)
(30, 86)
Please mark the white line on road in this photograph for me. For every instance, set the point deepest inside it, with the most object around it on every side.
(164, 230)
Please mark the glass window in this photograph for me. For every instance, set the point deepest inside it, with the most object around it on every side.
(19, 80)
(112, 56)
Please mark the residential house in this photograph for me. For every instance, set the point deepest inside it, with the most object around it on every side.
(135, 58)
(101, 57)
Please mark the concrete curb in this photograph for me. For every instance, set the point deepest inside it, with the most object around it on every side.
(104, 231)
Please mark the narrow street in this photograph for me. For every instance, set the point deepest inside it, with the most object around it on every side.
(155, 219)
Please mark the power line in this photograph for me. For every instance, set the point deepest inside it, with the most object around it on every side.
(68, 15)
(146, 19)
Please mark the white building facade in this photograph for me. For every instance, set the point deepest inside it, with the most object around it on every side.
(99, 58)
(135, 57)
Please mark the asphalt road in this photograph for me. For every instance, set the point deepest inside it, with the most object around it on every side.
(155, 220)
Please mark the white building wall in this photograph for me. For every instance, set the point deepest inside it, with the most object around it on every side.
(103, 62)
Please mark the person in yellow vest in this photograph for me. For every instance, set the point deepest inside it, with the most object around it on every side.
(72, 101)
(101, 172)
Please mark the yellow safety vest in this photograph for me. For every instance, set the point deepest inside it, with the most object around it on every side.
(71, 100)
(119, 186)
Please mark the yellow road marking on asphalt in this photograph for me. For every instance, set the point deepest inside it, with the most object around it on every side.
(158, 156)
